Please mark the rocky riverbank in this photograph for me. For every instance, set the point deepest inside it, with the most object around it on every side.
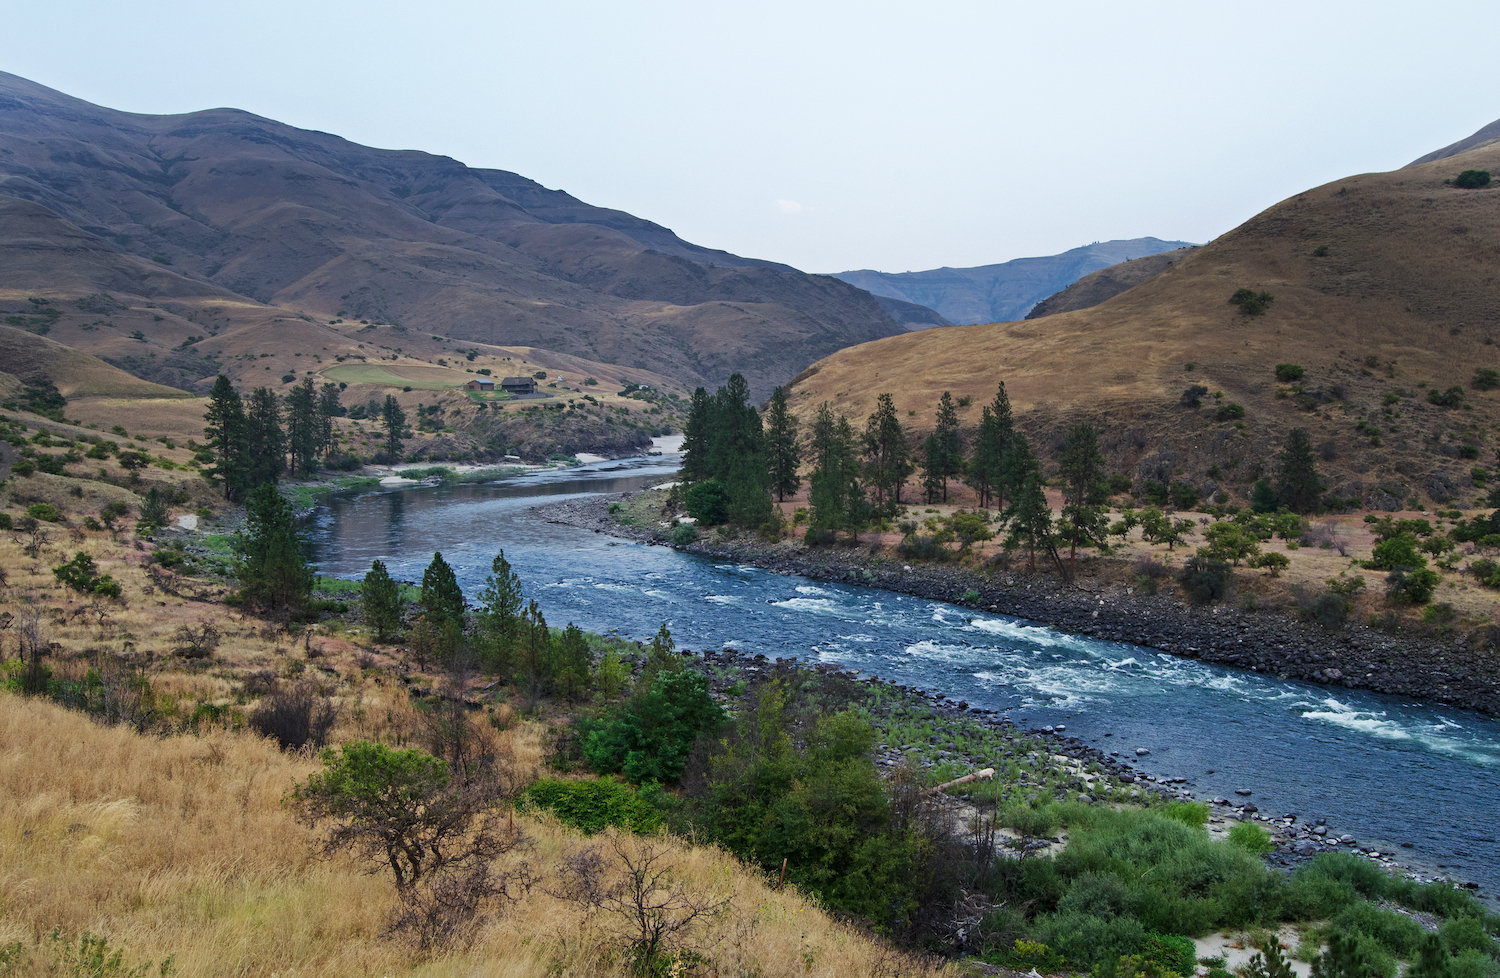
(1458, 669)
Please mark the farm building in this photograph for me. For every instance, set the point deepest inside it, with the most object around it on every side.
(518, 385)
(480, 384)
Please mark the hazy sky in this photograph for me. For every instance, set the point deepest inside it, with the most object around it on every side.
(829, 136)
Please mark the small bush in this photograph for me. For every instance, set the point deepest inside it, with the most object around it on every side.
(1193, 396)
(1192, 813)
(1229, 412)
(1251, 303)
(1411, 585)
(593, 806)
(1329, 611)
(1472, 179)
(1205, 579)
(46, 512)
(1184, 495)
(1289, 372)
(294, 715)
(1485, 379)
(684, 534)
(1486, 572)
(708, 502)
(1452, 397)
(1251, 838)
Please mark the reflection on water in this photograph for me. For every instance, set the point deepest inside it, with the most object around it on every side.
(1386, 770)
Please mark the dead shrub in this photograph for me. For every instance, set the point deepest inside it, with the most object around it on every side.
(294, 715)
(197, 641)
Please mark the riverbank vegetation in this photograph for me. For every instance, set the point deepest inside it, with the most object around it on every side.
(987, 498)
(165, 793)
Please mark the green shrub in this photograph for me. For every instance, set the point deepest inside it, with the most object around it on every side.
(1411, 585)
(1169, 953)
(684, 534)
(1396, 551)
(592, 806)
(1205, 579)
(1462, 934)
(1289, 372)
(708, 502)
(1396, 933)
(1485, 379)
(1251, 303)
(1251, 838)
(46, 512)
(1472, 179)
(1184, 495)
(1229, 412)
(1452, 397)
(1330, 611)
(23, 467)
(649, 737)
(1194, 813)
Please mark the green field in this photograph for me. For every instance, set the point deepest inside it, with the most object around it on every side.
(417, 378)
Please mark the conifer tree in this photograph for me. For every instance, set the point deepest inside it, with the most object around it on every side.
(303, 430)
(1030, 518)
(274, 574)
(442, 599)
(696, 437)
(226, 433)
(328, 409)
(1297, 484)
(382, 600)
(934, 465)
(533, 655)
(570, 663)
(835, 494)
(887, 455)
(265, 441)
(500, 607)
(783, 453)
(949, 455)
(987, 469)
(393, 420)
(1082, 469)
(739, 454)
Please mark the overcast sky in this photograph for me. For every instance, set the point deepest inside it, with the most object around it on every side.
(830, 136)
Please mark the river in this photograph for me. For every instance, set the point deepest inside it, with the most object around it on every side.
(1384, 769)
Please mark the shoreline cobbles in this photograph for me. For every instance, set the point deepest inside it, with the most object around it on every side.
(1447, 670)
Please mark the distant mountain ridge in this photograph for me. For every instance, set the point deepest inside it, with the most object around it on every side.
(1006, 291)
(222, 206)
(1106, 283)
(1488, 134)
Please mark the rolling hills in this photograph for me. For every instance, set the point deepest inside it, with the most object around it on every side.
(209, 222)
(991, 293)
(1107, 283)
(1385, 290)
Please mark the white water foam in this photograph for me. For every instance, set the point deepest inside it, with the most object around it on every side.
(1378, 725)
(809, 589)
(822, 606)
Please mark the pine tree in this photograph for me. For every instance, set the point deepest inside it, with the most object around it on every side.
(737, 454)
(500, 608)
(783, 453)
(1297, 484)
(1082, 469)
(393, 420)
(442, 599)
(303, 432)
(934, 465)
(226, 434)
(984, 467)
(887, 455)
(835, 494)
(274, 574)
(264, 439)
(382, 601)
(987, 469)
(697, 434)
(571, 663)
(1030, 518)
(950, 455)
(533, 655)
(328, 409)
(1017, 462)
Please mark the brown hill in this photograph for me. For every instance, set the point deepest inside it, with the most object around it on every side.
(228, 210)
(1384, 285)
(1488, 134)
(1107, 283)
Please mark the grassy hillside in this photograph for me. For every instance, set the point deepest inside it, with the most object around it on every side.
(1384, 289)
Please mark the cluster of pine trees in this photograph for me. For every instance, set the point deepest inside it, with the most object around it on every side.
(257, 439)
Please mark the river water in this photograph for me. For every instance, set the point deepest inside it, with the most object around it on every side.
(1384, 769)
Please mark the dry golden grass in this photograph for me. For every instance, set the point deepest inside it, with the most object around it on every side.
(180, 846)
